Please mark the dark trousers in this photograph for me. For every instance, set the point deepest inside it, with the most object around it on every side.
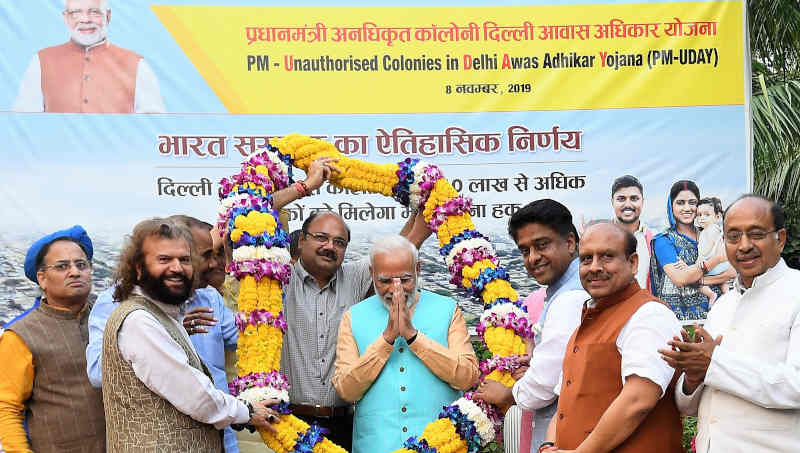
(340, 429)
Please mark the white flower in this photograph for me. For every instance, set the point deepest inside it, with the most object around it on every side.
(249, 252)
(273, 156)
(503, 310)
(475, 414)
(472, 244)
(254, 394)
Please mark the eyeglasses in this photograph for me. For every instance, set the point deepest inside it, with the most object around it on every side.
(92, 13)
(404, 279)
(64, 266)
(323, 238)
(733, 237)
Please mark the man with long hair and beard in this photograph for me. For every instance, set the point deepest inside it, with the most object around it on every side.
(88, 74)
(151, 370)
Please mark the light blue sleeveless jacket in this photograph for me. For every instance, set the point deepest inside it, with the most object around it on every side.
(406, 395)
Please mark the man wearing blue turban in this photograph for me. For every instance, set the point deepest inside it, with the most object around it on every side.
(43, 382)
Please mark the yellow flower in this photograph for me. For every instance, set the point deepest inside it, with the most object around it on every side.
(248, 294)
(441, 434)
(254, 223)
(472, 272)
(503, 377)
(503, 341)
(498, 289)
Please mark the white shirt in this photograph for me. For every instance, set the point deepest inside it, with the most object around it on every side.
(647, 331)
(163, 367)
(534, 390)
(750, 400)
(146, 99)
(643, 251)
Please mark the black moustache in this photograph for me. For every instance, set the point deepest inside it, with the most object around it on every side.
(328, 253)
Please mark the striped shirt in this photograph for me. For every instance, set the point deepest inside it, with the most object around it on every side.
(313, 315)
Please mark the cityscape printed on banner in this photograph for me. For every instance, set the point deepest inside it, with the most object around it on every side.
(17, 293)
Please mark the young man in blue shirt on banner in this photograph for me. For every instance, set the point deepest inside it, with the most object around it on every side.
(210, 324)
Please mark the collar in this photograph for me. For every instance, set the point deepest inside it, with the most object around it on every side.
(303, 274)
(767, 278)
(570, 273)
(593, 305)
(62, 313)
(99, 45)
(175, 312)
(642, 228)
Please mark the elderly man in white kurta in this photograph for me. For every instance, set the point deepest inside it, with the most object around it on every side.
(741, 375)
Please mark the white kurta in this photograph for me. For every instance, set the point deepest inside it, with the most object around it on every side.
(162, 366)
(750, 400)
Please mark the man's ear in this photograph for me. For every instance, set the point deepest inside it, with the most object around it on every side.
(139, 271)
(572, 243)
(42, 279)
(634, 260)
(781, 239)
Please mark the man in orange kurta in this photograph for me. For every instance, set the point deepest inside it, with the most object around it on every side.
(615, 393)
(88, 74)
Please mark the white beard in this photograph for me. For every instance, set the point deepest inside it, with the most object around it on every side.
(411, 296)
(95, 37)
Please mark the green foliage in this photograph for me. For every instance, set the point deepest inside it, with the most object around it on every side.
(481, 350)
(493, 447)
(483, 353)
(791, 252)
(775, 48)
(689, 431)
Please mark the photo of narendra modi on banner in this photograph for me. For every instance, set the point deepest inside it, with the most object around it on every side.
(88, 74)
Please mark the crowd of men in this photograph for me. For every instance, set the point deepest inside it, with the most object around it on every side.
(372, 356)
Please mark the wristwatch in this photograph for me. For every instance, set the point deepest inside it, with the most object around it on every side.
(546, 444)
(250, 412)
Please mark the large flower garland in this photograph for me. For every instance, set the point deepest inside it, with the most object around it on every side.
(465, 425)
(261, 263)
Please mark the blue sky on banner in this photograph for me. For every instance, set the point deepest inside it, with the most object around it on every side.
(101, 169)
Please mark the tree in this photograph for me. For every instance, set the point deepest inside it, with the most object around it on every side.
(775, 48)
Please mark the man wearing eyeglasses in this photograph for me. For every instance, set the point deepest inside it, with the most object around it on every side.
(43, 383)
(88, 74)
(403, 354)
(741, 372)
(320, 290)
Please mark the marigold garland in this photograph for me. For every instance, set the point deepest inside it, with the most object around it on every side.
(261, 264)
(246, 211)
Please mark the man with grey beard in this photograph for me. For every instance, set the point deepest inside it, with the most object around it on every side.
(402, 354)
(88, 74)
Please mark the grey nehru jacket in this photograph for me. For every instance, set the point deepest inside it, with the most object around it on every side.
(312, 315)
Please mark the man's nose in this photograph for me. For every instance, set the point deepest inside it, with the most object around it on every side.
(213, 261)
(533, 257)
(175, 265)
(745, 244)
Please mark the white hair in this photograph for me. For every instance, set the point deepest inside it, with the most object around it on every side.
(103, 5)
(393, 243)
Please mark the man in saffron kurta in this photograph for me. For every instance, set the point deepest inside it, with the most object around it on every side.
(43, 379)
(403, 354)
(614, 393)
(88, 74)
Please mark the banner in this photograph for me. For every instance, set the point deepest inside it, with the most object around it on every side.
(514, 103)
